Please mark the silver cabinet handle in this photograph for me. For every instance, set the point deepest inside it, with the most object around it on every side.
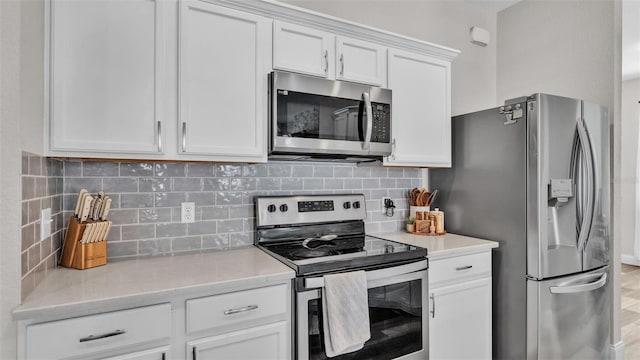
(433, 305)
(184, 136)
(572, 289)
(342, 64)
(464, 267)
(98, 337)
(242, 309)
(369, 129)
(393, 149)
(159, 136)
(326, 61)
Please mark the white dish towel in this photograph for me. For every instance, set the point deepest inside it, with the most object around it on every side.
(345, 312)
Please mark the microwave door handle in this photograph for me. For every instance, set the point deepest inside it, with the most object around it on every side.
(369, 129)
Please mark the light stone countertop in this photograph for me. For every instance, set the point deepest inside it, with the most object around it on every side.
(441, 246)
(146, 281)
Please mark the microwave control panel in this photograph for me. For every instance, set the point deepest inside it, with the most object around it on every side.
(381, 122)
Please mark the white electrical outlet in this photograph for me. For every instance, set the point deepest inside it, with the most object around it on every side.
(188, 213)
(45, 223)
(382, 208)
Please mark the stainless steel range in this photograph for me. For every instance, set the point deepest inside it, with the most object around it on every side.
(323, 234)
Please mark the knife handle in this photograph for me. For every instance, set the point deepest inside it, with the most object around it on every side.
(86, 208)
(80, 201)
(106, 205)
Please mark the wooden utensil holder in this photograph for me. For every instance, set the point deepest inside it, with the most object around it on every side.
(78, 255)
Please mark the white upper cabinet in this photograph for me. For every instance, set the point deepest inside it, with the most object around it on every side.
(107, 64)
(300, 49)
(421, 111)
(314, 52)
(188, 79)
(360, 61)
(224, 62)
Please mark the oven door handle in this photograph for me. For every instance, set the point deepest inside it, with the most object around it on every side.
(318, 282)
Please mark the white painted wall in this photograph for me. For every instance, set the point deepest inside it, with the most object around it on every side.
(21, 128)
(10, 165)
(558, 47)
(630, 116)
(443, 22)
(568, 48)
(32, 76)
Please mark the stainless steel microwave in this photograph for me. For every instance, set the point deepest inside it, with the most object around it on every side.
(319, 119)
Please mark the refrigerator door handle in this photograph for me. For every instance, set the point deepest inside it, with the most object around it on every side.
(572, 289)
(587, 214)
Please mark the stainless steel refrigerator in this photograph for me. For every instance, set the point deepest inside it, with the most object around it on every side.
(534, 176)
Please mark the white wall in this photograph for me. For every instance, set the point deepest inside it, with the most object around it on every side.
(439, 21)
(21, 128)
(10, 165)
(630, 116)
(569, 48)
(558, 47)
(32, 75)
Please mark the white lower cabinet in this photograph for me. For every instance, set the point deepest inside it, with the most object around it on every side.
(95, 336)
(260, 342)
(161, 353)
(460, 307)
(240, 323)
(245, 324)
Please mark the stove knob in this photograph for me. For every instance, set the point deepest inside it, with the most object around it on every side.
(284, 208)
(271, 208)
(346, 205)
(356, 204)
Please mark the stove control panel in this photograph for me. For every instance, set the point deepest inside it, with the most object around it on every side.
(286, 210)
(306, 206)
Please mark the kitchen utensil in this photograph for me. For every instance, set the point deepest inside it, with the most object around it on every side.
(86, 208)
(79, 201)
(432, 197)
(97, 208)
(104, 211)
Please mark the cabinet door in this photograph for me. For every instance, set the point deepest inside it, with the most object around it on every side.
(224, 64)
(421, 112)
(300, 49)
(360, 61)
(107, 68)
(261, 342)
(152, 354)
(460, 314)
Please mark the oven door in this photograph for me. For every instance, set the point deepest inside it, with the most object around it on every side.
(319, 116)
(398, 328)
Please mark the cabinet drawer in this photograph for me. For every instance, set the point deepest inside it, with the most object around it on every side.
(226, 309)
(460, 267)
(95, 333)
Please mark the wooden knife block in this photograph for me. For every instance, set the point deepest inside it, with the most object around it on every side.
(81, 256)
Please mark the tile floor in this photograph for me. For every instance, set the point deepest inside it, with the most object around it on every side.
(630, 283)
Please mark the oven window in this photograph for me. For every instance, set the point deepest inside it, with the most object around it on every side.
(395, 315)
(330, 118)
